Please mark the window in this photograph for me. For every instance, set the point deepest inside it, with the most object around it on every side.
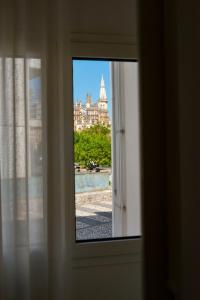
(106, 149)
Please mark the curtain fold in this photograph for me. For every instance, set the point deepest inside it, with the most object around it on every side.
(26, 216)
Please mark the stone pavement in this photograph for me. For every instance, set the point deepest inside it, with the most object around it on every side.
(94, 218)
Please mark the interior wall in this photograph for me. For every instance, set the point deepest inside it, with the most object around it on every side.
(187, 46)
(183, 165)
(103, 17)
(107, 279)
(112, 270)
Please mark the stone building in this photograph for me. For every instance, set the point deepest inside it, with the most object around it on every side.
(91, 113)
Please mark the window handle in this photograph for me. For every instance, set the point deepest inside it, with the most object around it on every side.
(122, 131)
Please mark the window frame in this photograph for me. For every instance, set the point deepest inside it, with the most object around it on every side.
(112, 60)
(123, 247)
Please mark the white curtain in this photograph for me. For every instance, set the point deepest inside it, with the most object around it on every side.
(31, 249)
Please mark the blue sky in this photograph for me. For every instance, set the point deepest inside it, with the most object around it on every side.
(86, 79)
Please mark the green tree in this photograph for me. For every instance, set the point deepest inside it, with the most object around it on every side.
(93, 144)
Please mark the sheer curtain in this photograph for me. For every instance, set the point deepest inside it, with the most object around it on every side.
(31, 256)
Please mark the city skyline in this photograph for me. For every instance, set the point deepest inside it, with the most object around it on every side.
(87, 75)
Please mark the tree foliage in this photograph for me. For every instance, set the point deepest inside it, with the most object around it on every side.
(93, 144)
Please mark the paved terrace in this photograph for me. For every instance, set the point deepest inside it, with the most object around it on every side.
(94, 215)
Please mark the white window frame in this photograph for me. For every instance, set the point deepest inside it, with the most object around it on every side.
(126, 149)
(129, 248)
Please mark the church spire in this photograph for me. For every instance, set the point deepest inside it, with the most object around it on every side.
(102, 94)
(103, 101)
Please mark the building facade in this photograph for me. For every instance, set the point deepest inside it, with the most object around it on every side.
(91, 113)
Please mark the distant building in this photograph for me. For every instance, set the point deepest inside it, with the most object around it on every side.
(89, 114)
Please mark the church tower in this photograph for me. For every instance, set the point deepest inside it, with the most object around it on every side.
(103, 101)
(88, 101)
(103, 105)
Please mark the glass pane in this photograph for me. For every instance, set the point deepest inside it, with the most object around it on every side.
(106, 149)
